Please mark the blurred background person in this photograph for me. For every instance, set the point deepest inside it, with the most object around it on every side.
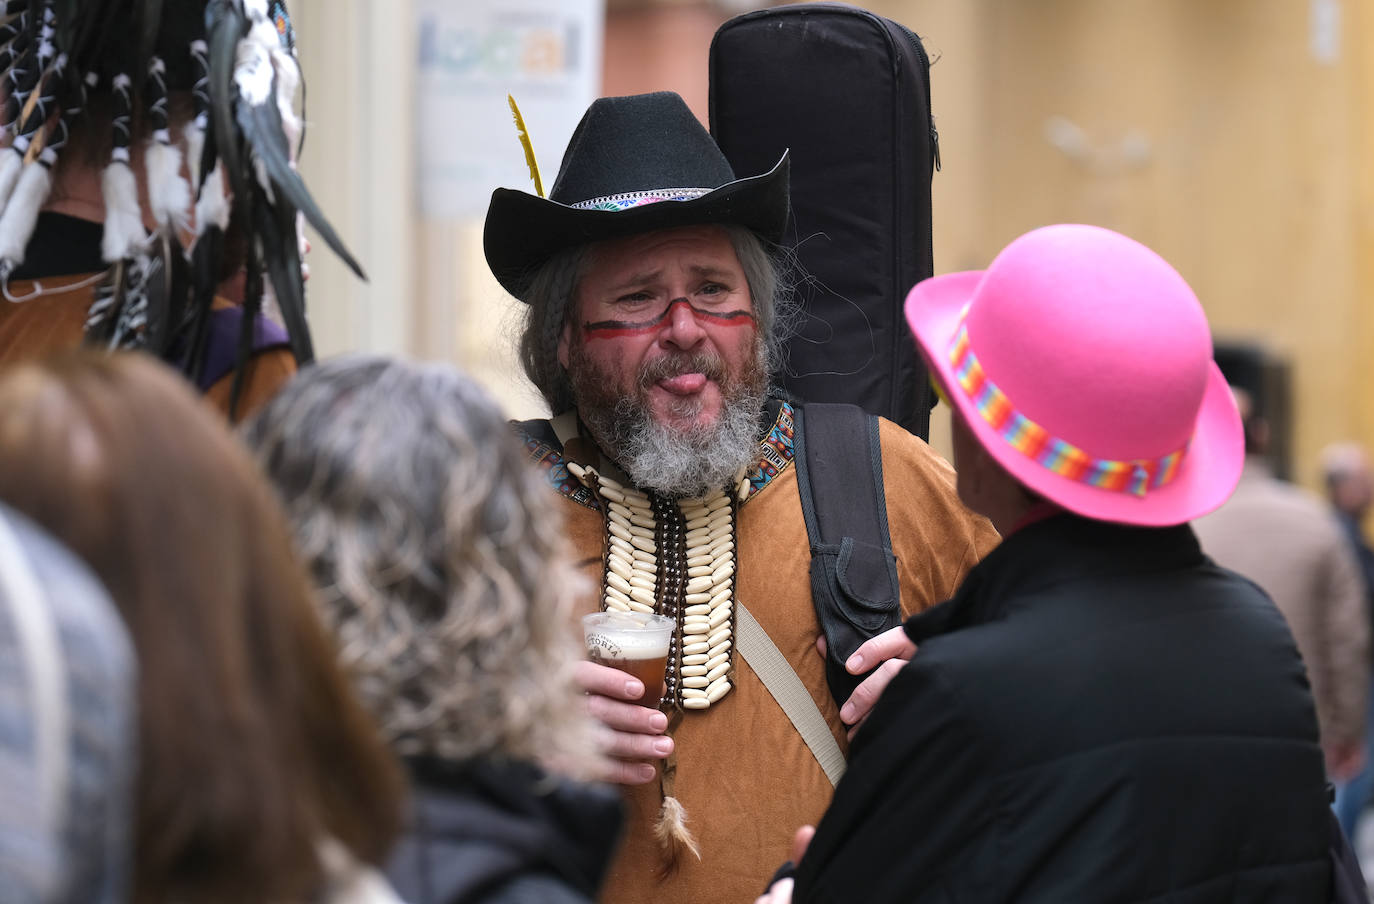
(1286, 540)
(443, 572)
(67, 722)
(1349, 489)
(260, 777)
(115, 225)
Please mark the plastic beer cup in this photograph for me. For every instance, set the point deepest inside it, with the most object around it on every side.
(633, 642)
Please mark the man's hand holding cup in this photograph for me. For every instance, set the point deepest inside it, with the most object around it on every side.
(623, 679)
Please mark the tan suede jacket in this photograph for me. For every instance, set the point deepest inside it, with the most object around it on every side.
(744, 775)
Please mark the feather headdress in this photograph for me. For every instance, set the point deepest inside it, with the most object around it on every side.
(236, 60)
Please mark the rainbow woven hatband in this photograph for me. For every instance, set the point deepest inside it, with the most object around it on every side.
(1035, 442)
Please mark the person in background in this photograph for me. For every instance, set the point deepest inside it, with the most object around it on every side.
(1286, 540)
(1350, 490)
(260, 776)
(1100, 713)
(68, 684)
(148, 197)
(444, 574)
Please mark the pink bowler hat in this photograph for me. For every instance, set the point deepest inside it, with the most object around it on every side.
(1082, 362)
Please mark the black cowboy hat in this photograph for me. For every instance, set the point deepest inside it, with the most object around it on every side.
(634, 164)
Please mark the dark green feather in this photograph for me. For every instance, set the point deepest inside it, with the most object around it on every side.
(262, 130)
(224, 26)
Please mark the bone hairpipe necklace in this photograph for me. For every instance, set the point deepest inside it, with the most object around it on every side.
(675, 558)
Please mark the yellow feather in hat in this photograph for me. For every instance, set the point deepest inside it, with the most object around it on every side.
(525, 142)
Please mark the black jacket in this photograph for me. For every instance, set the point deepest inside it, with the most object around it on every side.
(502, 834)
(1100, 714)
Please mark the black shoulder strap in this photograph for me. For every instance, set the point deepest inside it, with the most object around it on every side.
(853, 570)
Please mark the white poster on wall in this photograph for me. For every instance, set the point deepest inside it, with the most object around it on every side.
(544, 53)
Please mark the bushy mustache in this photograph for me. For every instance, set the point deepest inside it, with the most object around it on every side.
(710, 366)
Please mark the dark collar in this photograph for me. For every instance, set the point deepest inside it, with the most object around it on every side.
(527, 820)
(1056, 550)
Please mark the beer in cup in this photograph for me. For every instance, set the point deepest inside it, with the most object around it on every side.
(632, 642)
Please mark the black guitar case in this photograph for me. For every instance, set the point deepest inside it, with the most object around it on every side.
(848, 92)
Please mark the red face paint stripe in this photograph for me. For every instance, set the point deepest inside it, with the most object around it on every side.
(731, 318)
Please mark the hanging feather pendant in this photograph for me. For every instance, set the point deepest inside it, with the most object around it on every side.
(35, 182)
(670, 829)
(21, 214)
(169, 195)
(11, 166)
(673, 835)
(243, 92)
(125, 235)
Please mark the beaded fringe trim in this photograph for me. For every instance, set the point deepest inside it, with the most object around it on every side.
(675, 558)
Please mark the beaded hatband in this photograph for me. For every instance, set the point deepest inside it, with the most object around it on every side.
(675, 558)
(629, 199)
(1035, 442)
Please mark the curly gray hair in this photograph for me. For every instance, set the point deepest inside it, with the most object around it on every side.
(554, 285)
(439, 557)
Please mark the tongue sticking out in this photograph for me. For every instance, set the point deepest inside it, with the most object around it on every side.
(683, 384)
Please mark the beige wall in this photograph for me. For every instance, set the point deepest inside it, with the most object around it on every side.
(429, 293)
(357, 57)
(661, 47)
(1362, 35)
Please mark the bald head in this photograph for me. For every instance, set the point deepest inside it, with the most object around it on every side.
(1349, 484)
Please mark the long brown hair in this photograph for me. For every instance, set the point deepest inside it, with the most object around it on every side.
(252, 748)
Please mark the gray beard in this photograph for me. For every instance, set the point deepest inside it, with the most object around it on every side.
(673, 462)
(686, 464)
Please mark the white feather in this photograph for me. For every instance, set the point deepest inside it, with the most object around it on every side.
(253, 71)
(21, 214)
(288, 81)
(263, 30)
(9, 173)
(169, 195)
(212, 209)
(124, 232)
